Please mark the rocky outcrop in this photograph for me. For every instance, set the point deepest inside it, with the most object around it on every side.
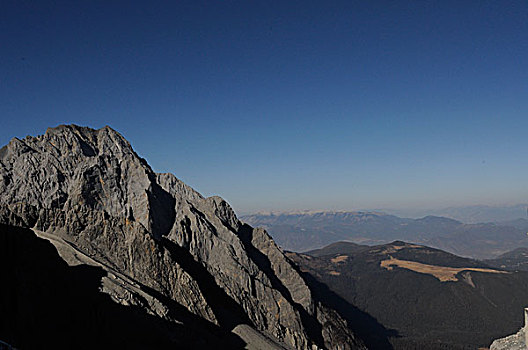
(512, 342)
(518, 341)
(88, 190)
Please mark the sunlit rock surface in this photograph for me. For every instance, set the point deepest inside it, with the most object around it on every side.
(99, 203)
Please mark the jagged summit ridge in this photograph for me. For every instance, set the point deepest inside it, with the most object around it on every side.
(90, 189)
(71, 166)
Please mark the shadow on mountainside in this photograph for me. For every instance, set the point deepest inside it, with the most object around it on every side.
(227, 311)
(373, 333)
(44, 303)
(312, 326)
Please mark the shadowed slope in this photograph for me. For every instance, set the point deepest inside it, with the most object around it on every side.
(45, 303)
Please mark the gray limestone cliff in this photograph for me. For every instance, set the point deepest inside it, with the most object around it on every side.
(160, 241)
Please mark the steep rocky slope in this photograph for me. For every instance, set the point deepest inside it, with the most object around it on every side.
(162, 246)
(46, 304)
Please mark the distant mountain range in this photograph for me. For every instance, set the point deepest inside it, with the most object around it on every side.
(516, 260)
(469, 214)
(424, 298)
(521, 224)
(306, 231)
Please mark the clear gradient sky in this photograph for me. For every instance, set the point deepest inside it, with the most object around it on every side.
(279, 105)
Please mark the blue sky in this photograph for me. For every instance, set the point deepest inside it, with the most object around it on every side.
(279, 105)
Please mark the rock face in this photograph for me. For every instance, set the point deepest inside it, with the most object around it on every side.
(98, 202)
(518, 341)
(512, 342)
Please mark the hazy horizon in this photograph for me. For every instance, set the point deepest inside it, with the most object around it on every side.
(408, 212)
(284, 106)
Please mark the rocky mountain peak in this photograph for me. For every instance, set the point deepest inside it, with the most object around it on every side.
(87, 191)
(91, 142)
(76, 168)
